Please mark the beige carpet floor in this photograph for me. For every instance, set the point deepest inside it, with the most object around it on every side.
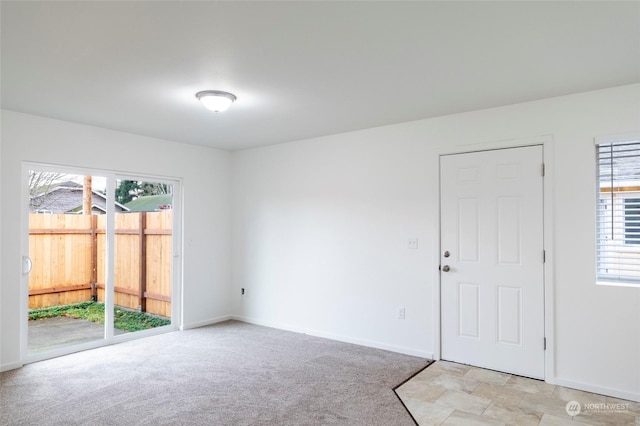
(225, 374)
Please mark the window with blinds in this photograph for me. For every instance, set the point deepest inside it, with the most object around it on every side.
(618, 212)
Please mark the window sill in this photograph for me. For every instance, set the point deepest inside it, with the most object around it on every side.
(619, 284)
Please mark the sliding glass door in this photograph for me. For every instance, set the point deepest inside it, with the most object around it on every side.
(65, 260)
(143, 240)
(101, 259)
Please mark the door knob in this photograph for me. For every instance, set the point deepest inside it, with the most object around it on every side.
(446, 268)
(447, 254)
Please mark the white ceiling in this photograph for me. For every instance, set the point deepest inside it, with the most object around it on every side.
(303, 69)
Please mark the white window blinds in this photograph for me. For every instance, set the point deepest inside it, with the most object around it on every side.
(618, 212)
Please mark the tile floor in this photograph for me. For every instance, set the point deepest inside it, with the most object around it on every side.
(446, 393)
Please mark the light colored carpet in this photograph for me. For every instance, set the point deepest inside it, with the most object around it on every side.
(225, 374)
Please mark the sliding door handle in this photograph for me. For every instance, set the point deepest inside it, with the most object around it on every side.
(26, 265)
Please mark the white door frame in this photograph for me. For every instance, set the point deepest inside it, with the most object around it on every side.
(176, 274)
(549, 301)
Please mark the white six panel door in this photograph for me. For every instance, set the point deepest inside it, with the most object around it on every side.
(492, 279)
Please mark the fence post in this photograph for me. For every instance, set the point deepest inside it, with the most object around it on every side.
(94, 258)
(143, 262)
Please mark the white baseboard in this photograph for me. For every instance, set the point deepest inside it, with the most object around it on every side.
(602, 390)
(206, 322)
(337, 337)
(10, 366)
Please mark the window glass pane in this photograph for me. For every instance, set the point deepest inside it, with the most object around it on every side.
(618, 212)
(632, 221)
(142, 255)
(67, 262)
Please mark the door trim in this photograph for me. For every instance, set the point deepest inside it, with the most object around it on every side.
(548, 242)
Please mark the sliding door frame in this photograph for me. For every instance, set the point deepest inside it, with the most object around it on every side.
(176, 260)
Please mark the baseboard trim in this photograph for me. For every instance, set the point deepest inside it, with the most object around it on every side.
(10, 366)
(206, 322)
(337, 337)
(602, 390)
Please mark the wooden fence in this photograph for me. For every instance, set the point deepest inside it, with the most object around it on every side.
(69, 253)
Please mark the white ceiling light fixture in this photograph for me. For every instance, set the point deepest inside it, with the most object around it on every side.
(216, 100)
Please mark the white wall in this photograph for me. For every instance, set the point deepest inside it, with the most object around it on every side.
(320, 230)
(205, 178)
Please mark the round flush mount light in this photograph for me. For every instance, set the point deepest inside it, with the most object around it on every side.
(216, 100)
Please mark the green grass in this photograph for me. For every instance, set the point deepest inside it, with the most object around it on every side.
(91, 311)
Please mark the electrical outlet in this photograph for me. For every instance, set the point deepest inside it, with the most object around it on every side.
(401, 313)
(412, 243)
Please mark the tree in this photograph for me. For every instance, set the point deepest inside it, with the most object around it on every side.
(127, 190)
(151, 188)
(40, 185)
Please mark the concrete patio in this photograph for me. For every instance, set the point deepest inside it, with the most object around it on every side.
(50, 333)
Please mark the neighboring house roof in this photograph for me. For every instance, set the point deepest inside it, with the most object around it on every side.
(67, 198)
(150, 203)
